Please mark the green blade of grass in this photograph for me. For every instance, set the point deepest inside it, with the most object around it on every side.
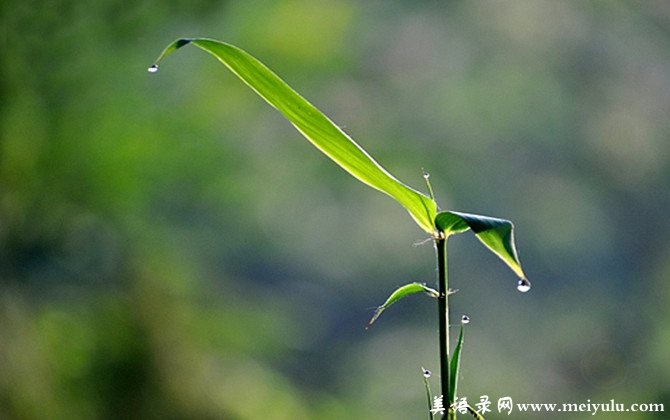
(496, 234)
(475, 414)
(314, 126)
(429, 396)
(454, 367)
(400, 293)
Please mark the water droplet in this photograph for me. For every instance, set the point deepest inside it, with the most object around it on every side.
(523, 286)
(426, 175)
(153, 68)
(465, 319)
(426, 373)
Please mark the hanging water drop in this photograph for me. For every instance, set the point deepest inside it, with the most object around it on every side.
(426, 373)
(153, 68)
(465, 319)
(523, 285)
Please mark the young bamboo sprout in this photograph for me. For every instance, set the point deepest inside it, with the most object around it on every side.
(495, 234)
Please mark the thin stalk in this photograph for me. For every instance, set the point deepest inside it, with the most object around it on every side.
(443, 309)
(426, 375)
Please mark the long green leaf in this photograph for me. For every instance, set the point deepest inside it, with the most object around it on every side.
(314, 125)
(496, 234)
(454, 367)
(400, 293)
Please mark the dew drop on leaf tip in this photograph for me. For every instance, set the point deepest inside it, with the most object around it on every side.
(153, 68)
(465, 319)
(523, 285)
(426, 373)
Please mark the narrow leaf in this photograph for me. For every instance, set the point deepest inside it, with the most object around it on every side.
(454, 367)
(314, 126)
(496, 234)
(475, 413)
(429, 396)
(400, 293)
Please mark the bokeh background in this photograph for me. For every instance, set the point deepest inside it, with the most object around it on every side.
(170, 247)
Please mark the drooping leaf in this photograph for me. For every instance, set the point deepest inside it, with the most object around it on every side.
(496, 234)
(314, 126)
(400, 293)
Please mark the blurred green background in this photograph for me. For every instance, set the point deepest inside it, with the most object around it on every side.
(171, 248)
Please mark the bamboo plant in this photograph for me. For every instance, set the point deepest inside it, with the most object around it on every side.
(496, 234)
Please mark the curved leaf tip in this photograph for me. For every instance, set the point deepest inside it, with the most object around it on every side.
(169, 50)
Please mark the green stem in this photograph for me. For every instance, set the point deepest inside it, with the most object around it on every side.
(443, 308)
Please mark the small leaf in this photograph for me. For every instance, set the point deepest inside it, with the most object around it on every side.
(496, 234)
(400, 293)
(314, 126)
(454, 367)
